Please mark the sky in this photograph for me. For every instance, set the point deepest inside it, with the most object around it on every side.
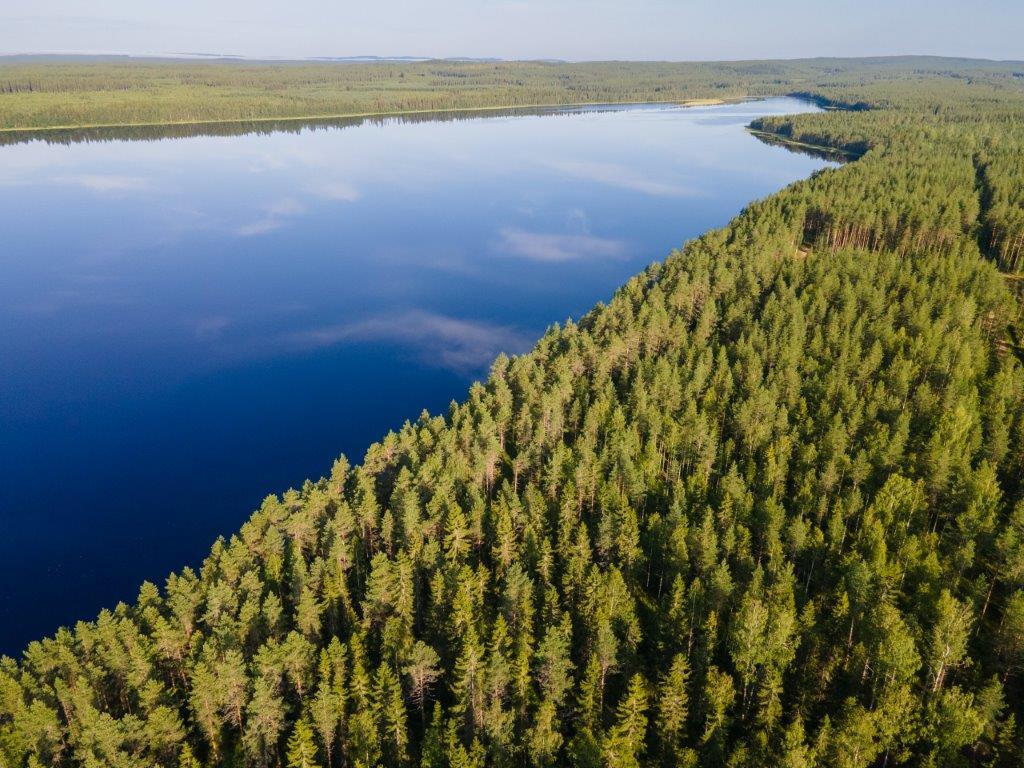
(576, 30)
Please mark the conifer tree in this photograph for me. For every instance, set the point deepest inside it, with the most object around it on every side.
(301, 751)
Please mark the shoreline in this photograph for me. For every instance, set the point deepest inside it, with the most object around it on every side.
(707, 102)
(794, 143)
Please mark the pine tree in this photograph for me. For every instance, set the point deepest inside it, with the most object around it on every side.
(673, 708)
(626, 739)
(422, 670)
(391, 716)
(301, 751)
(186, 759)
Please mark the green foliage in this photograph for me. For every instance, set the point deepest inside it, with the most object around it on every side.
(301, 752)
(764, 507)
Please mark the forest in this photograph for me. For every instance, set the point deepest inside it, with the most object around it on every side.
(764, 507)
(55, 92)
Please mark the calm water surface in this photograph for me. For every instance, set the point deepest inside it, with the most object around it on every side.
(188, 324)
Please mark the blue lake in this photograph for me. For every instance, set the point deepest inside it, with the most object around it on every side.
(190, 323)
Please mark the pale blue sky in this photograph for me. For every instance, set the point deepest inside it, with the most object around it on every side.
(566, 29)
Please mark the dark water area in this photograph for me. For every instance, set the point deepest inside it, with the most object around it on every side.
(189, 322)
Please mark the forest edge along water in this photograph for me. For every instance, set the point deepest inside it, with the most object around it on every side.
(240, 126)
(80, 132)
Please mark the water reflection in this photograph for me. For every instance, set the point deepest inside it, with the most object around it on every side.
(828, 154)
(266, 127)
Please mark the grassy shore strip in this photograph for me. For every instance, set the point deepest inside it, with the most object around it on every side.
(707, 102)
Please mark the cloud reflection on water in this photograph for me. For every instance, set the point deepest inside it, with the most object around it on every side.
(552, 247)
(622, 177)
(459, 344)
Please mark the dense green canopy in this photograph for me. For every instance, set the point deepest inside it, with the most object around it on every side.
(766, 507)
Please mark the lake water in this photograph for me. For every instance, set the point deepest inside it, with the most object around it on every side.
(190, 323)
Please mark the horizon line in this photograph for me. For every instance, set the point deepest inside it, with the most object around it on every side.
(411, 59)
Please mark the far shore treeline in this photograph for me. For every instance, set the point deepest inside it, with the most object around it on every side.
(763, 508)
(70, 92)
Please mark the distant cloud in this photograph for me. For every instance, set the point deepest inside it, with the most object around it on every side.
(287, 206)
(540, 246)
(458, 344)
(277, 216)
(337, 190)
(622, 177)
(578, 220)
(261, 227)
(280, 213)
(211, 327)
(99, 182)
